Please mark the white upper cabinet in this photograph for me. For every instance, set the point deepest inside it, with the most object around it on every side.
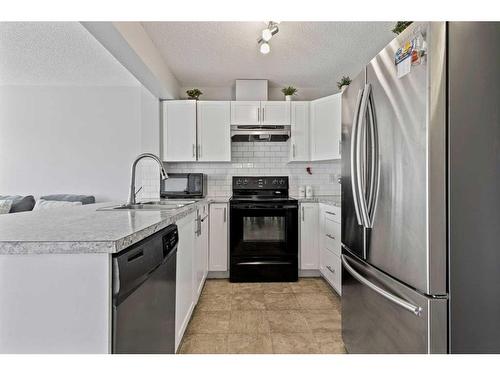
(326, 127)
(179, 130)
(196, 131)
(245, 113)
(214, 131)
(275, 113)
(260, 113)
(299, 140)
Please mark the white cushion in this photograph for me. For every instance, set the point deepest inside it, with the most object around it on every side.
(42, 204)
(5, 205)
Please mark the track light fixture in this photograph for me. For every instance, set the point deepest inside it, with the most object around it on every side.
(267, 34)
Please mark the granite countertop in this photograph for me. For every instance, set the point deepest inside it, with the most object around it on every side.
(85, 229)
(333, 200)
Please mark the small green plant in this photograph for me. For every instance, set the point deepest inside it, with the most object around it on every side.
(194, 93)
(288, 91)
(344, 81)
(400, 26)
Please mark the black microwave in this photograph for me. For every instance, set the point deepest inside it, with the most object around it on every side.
(184, 185)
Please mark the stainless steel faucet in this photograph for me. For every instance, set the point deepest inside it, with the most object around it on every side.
(163, 174)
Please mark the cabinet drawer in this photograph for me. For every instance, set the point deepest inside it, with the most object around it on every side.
(332, 236)
(332, 213)
(331, 269)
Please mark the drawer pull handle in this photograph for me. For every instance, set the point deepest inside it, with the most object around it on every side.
(330, 269)
(331, 213)
(330, 236)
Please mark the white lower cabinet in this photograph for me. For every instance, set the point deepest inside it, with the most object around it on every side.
(218, 237)
(309, 250)
(331, 269)
(184, 302)
(330, 245)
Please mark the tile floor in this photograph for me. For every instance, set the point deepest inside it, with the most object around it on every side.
(285, 318)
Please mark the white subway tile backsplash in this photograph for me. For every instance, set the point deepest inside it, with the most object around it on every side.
(262, 158)
(258, 158)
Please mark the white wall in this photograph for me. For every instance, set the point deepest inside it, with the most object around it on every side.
(78, 140)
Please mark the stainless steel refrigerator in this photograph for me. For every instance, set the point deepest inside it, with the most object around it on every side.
(420, 261)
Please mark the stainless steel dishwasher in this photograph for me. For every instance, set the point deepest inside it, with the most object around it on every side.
(144, 295)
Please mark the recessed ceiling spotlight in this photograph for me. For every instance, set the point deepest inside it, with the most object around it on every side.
(267, 34)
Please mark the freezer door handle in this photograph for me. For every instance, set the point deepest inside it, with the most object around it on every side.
(417, 310)
(354, 136)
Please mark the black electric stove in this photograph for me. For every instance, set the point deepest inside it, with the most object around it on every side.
(263, 230)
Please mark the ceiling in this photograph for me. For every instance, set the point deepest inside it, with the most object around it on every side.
(303, 54)
(57, 53)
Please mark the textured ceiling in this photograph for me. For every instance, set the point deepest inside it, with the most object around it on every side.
(303, 54)
(56, 53)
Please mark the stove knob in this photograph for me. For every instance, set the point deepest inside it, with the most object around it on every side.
(238, 181)
(275, 181)
(282, 182)
(245, 181)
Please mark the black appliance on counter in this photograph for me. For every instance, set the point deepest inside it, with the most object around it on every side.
(184, 185)
(144, 279)
(263, 230)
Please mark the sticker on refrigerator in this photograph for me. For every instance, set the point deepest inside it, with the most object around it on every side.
(410, 54)
(402, 59)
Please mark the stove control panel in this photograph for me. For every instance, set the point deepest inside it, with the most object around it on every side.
(267, 182)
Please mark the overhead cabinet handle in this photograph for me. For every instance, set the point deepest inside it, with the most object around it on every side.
(194, 150)
(258, 114)
(330, 236)
(417, 310)
(225, 212)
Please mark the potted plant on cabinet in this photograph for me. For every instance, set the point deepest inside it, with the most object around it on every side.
(289, 92)
(194, 94)
(343, 83)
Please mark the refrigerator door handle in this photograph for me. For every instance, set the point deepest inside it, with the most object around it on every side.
(354, 178)
(417, 310)
(360, 165)
(374, 176)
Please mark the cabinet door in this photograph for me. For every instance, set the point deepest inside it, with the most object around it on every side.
(326, 127)
(214, 130)
(299, 140)
(218, 250)
(245, 113)
(309, 253)
(179, 130)
(275, 113)
(184, 303)
(200, 258)
(331, 269)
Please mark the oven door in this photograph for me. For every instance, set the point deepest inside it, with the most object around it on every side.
(263, 242)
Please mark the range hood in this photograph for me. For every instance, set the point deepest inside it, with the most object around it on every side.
(260, 133)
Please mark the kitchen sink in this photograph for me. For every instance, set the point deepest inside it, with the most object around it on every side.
(152, 205)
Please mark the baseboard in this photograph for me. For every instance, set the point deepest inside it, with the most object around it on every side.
(309, 273)
(218, 275)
